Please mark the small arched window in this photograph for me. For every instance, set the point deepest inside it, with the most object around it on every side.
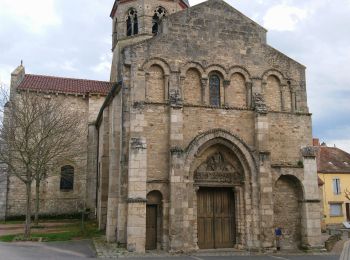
(132, 26)
(159, 13)
(214, 90)
(67, 178)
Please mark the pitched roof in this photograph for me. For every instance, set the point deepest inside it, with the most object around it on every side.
(332, 160)
(64, 85)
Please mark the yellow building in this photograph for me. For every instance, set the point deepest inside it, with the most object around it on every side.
(333, 168)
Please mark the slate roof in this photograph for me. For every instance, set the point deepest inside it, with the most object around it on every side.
(332, 160)
(64, 85)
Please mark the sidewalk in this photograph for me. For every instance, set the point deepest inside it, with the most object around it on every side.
(345, 255)
(112, 250)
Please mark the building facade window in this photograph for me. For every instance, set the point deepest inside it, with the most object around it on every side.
(336, 209)
(214, 90)
(132, 26)
(67, 178)
(159, 13)
(336, 186)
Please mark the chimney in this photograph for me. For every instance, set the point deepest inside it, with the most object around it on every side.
(16, 78)
(316, 142)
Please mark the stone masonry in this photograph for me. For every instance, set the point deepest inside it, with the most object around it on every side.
(202, 142)
(203, 106)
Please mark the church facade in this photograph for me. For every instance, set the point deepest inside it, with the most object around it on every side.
(203, 142)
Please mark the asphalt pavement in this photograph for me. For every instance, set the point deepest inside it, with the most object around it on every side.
(84, 250)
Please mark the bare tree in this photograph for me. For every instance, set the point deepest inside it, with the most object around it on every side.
(347, 194)
(38, 133)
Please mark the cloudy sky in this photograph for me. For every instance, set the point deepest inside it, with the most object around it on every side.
(72, 38)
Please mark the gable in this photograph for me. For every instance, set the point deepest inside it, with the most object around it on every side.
(213, 20)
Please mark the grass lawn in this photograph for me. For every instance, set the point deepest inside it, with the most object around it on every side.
(62, 233)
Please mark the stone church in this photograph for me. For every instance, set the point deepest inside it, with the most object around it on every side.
(204, 141)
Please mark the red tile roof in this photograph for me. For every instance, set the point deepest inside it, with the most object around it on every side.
(332, 160)
(64, 85)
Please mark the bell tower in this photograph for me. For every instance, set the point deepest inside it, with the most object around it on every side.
(138, 20)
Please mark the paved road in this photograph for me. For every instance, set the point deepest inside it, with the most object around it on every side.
(52, 250)
(84, 249)
(315, 257)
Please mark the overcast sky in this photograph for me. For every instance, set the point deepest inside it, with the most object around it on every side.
(72, 38)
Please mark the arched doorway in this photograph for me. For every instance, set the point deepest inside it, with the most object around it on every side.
(153, 220)
(218, 178)
(287, 197)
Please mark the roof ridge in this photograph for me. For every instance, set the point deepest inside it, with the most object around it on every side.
(60, 77)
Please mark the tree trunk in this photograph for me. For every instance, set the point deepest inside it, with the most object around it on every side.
(28, 210)
(37, 202)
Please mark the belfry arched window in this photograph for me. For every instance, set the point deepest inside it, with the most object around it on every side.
(132, 26)
(214, 90)
(159, 13)
(67, 178)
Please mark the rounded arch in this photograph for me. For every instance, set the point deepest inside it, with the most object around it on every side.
(154, 197)
(218, 69)
(298, 183)
(273, 72)
(131, 19)
(159, 13)
(157, 61)
(288, 216)
(223, 137)
(245, 193)
(193, 65)
(241, 70)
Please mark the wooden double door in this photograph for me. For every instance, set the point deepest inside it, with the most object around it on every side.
(216, 218)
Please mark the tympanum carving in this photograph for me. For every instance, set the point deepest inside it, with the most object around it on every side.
(217, 170)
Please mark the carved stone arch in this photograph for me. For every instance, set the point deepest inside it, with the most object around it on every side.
(217, 68)
(276, 73)
(224, 137)
(193, 65)
(245, 190)
(157, 61)
(216, 169)
(241, 70)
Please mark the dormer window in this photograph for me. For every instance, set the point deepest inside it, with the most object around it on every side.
(159, 13)
(132, 26)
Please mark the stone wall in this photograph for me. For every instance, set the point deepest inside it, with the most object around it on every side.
(54, 201)
(262, 119)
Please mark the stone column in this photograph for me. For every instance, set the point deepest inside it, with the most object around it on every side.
(226, 85)
(182, 87)
(293, 101)
(137, 192)
(166, 87)
(311, 222)
(249, 86)
(179, 236)
(205, 91)
(265, 178)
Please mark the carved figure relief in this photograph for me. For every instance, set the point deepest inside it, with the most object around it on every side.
(217, 170)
